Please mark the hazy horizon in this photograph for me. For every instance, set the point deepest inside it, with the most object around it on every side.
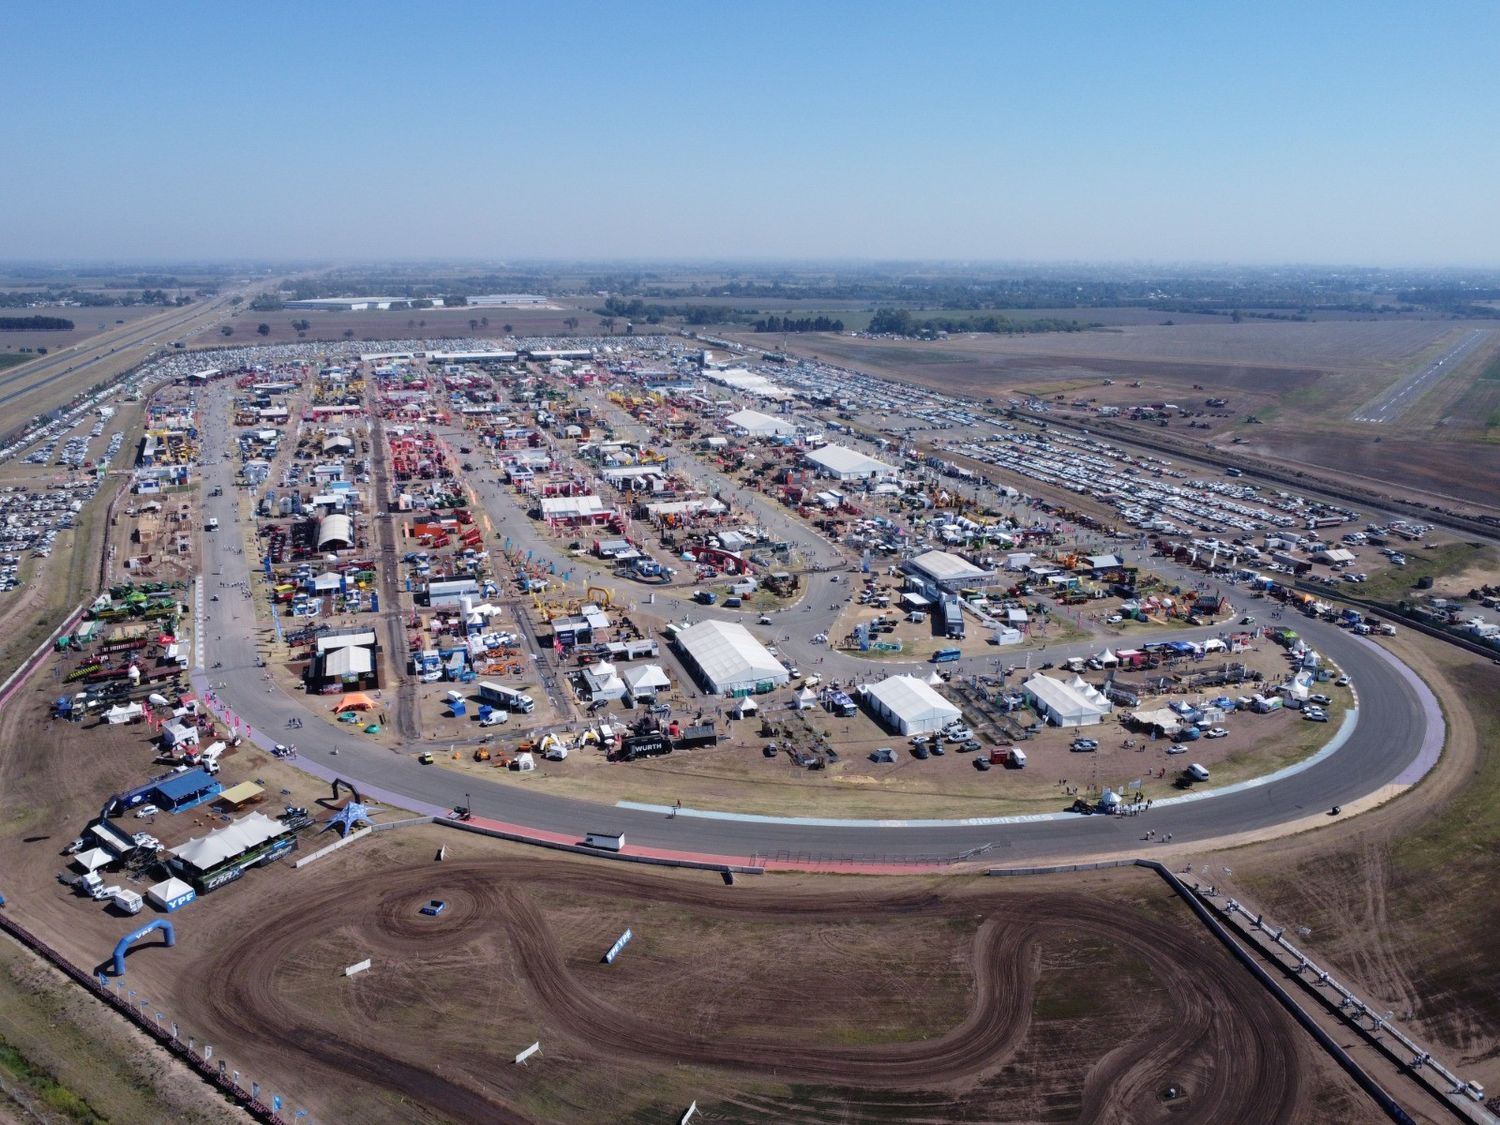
(1087, 135)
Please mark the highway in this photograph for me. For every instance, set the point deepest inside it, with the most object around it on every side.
(126, 344)
(1395, 712)
(1397, 400)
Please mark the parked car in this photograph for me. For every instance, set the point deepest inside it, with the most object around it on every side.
(982, 764)
(1177, 748)
(1314, 715)
(1216, 732)
(1084, 745)
(958, 734)
(1320, 700)
(919, 751)
(969, 745)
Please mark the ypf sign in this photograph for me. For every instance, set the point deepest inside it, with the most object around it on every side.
(614, 950)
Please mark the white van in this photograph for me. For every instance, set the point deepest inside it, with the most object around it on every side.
(1197, 772)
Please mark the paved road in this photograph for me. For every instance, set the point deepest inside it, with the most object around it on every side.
(121, 346)
(1397, 400)
(1388, 739)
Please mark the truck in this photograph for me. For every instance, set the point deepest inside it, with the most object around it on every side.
(608, 841)
(1015, 758)
(126, 900)
(505, 698)
(212, 524)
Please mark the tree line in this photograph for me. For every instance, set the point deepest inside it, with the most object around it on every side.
(799, 324)
(901, 322)
(34, 323)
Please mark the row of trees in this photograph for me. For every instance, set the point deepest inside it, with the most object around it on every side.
(35, 324)
(802, 324)
(901, 322)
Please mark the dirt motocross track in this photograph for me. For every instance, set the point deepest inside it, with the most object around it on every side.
(1206, 1027)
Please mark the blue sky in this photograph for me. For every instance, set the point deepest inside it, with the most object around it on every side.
(1328, 133)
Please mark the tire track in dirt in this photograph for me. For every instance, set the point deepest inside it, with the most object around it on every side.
(1222, 1039)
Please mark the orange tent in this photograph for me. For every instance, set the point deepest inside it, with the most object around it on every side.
(355, 701)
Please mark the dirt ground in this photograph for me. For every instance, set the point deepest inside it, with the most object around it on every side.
(936, 995)
(908, 993)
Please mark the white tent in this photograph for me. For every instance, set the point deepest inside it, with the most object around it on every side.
(935, 679)
(324, 583)
(728, 659)
(909, 706)
(93, 859)
(806, 699)
(601, 681)
(1107, 658)
(171, 894)
(525, 761)
(206, 852)
(348, 661)
(123, 714)
(645, 681)
(1071, 704)
(746, 706)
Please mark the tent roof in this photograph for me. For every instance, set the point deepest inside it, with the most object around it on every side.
(348, 661)
(1070, 700)
(911, 699)
(841, 459)
(209, 851)
(354, 701)
(646, 676)
(93, 859)
(167, 890)
(746, 705)
(185, 785)
(729, 655)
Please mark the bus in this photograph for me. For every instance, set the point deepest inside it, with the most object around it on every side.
(946, 655)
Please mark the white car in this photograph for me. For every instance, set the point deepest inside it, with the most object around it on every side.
(146, 810)
(1115, 618)
(820, 639)
(1177, 748)
(958, 734)
(1342, 681)
(146, 840)
(1216, 732)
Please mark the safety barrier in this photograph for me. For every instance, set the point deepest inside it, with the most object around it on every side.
(357, 834)
(1388, 1105)
(220, 1078)
(596, 853)
(1461, 1095)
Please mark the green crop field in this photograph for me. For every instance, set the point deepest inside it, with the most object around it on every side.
(11, 359)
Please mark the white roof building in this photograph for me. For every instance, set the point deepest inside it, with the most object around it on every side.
(335, 531)
(946, 571)
(572, 507)
(909, 706)
(1071, 704)
(843, 463)
(757, 424)
(727, 659)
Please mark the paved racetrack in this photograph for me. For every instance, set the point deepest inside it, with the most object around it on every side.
(1396, 715)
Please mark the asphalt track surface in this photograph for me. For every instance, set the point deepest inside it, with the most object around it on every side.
(1396, 718)
(1241, 1069)
(1396, 401)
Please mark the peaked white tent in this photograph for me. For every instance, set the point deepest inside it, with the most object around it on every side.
(1066, 704)
(909, 706)
(806, 699)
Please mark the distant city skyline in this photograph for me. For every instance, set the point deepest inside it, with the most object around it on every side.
(1086, 133)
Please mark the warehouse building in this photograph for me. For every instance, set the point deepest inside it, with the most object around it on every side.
(938, 572)
(842, 463)
(727, 660)
(335, 533)
(759, 425)
(908, 705)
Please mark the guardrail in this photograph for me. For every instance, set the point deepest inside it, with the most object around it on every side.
(218, 1077)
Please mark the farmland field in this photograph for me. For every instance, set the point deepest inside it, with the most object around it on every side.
(1299, 378)
(395, 324)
